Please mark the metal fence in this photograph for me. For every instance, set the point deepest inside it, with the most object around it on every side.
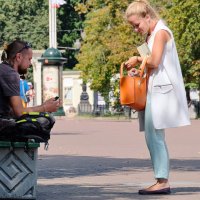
(106, 111)
(124, 111)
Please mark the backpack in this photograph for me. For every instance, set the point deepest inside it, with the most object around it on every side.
(34, 125)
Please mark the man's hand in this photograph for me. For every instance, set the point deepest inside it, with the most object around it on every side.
(51, 105)
(48, 106)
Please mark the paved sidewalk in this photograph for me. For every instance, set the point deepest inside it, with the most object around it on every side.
(108, 160)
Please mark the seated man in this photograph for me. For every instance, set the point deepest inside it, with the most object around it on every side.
(16, 59)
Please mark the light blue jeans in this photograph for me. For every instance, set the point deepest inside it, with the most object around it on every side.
(155, 139)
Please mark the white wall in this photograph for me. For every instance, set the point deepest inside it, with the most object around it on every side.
(37, 76)
(71, 79)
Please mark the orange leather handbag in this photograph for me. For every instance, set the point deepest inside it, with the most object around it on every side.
(133, 89)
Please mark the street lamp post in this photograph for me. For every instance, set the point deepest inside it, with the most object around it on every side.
(52, 61)
(52, 25)
(52, 67)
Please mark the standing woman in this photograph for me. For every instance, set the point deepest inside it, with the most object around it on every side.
(166, 104)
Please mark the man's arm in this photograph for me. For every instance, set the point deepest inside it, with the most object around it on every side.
(48, 106)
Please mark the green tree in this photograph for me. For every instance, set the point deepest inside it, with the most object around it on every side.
(70, 28)
(109, 41)
(183, 17)
(27, 20)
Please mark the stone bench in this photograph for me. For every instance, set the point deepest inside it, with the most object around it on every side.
(18, 172)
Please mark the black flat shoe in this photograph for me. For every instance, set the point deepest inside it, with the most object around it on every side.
(162, 191)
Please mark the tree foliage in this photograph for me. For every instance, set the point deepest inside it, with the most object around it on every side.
(110, 40)
(183, 17)
(70, 29)
(27, 20)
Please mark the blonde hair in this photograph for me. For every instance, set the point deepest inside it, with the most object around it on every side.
(141, 8)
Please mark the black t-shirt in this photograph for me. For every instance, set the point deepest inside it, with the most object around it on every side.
(9, 86)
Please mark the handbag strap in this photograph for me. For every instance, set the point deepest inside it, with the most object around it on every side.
(122, 69)
(143, 66)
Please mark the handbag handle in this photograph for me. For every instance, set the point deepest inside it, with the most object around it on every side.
(142, 67)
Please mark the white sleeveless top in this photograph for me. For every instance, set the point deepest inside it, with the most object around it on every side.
(166, 87)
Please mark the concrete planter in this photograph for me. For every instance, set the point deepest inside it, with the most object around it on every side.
(18, 174)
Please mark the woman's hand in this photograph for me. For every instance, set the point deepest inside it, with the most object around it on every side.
(132, 62)
(133, 72)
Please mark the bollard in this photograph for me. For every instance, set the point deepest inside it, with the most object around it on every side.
(18, 172)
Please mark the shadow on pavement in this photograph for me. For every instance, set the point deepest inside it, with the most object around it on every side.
(185, 190)
(80, 192)
(75, 166)
(51, 168)
(105, 192)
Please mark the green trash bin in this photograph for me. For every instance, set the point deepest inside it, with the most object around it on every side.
(18, 170)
